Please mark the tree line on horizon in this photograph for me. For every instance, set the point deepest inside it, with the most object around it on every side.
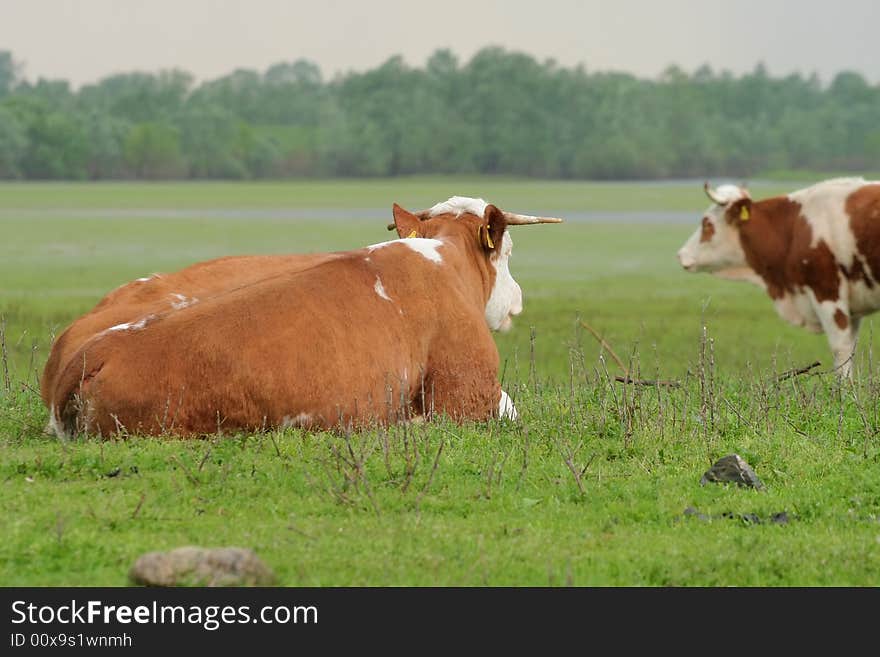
(501, 112)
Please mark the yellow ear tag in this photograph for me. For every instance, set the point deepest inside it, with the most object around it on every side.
(412, 234)
(489, 241)
(744, 213)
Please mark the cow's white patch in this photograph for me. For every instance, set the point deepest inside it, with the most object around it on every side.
(823, 206)
(505, 301)
(426, 247)
(142, 280)
(863, 300)
(55, 425)
(380, 289)
(299, 420)
(181, 301)
(132, 326)
(506, 409)
(459, 205)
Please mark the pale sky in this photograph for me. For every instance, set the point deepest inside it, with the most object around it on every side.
(84, 40)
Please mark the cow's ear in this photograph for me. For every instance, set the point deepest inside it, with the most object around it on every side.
(492, 230)
(739, 211)
(406, 223)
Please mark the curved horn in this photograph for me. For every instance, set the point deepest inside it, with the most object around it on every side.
(711, 194)
(526, 219)
(512, 218)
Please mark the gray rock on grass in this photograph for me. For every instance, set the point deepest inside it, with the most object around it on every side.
(732, 469)
(196, 566)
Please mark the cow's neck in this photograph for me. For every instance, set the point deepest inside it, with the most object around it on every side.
(744, 273)
(766, 240)
(464, 256)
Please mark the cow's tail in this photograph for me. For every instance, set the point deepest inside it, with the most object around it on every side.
(50, 370)
(69, 408)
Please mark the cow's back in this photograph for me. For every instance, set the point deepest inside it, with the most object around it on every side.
(161, 293)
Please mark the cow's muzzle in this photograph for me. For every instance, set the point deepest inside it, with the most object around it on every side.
(687, 261)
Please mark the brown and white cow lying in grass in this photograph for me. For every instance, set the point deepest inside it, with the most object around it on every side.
(815, 251)
(374, 335)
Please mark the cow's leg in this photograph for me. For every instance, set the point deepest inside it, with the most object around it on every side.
(841, 330)
(461, 394)
(461, 381)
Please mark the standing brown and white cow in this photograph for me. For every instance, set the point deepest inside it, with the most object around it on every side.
(815, 251)
(396, 329)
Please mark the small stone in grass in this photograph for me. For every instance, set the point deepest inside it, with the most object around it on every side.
(196, 566)
(732, 469)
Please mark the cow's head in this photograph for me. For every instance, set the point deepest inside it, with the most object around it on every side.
(483, 229)
(715, 246)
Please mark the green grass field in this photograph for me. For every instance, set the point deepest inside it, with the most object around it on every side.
(588, 488)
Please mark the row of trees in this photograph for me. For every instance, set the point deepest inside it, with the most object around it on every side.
(501, 112)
